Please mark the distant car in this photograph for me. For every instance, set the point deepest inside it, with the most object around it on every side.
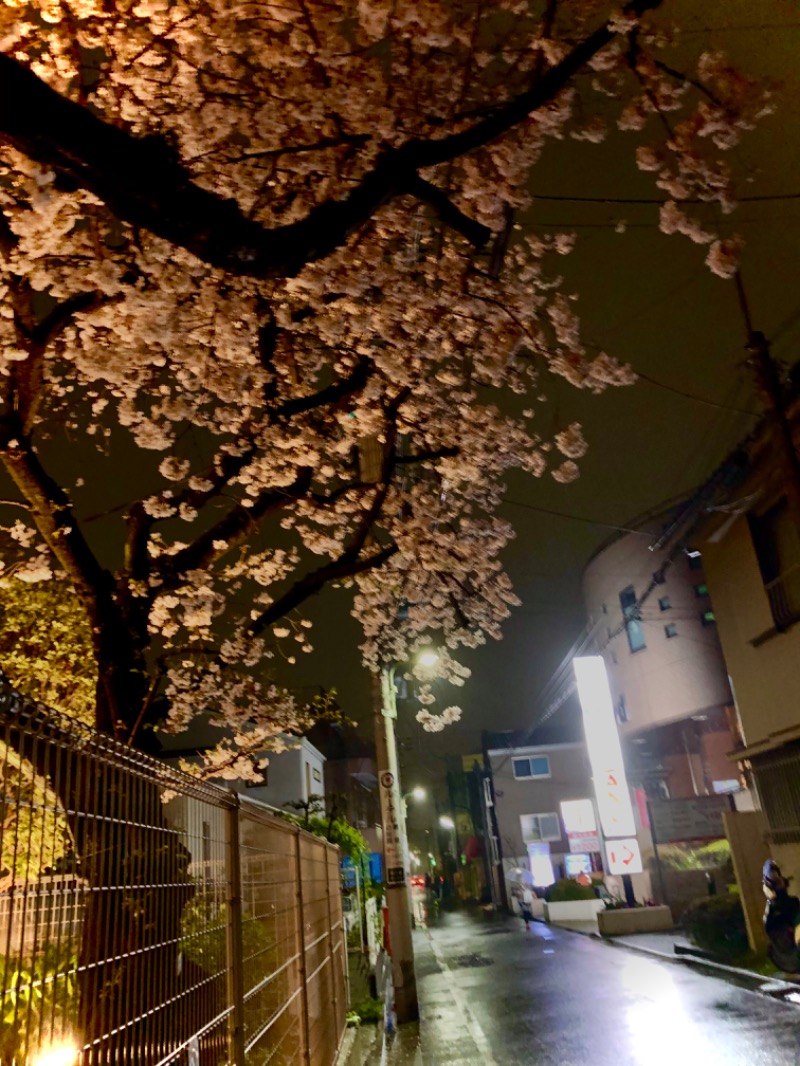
(418, 881)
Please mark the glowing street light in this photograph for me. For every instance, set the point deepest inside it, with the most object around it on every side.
(418, 793)
(446, 822)
(429, 657)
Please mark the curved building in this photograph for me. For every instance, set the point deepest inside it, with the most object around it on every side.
(651, 618)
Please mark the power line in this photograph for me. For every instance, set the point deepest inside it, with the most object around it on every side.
(575, 517)
(698, 399)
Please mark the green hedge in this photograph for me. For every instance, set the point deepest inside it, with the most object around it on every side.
(566, 890)
(716, 924)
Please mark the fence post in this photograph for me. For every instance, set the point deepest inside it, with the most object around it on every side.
(235, 973)
(302, 931)
(331, 949)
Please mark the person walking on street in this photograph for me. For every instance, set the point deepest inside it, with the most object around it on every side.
(526, 905)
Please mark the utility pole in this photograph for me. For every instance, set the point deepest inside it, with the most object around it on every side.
(395, 874)
(770, 391)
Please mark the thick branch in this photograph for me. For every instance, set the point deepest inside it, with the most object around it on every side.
(144, 184)
(51, 510)
(311, 584)
(63, 313)
(332, 393)
(475, 232)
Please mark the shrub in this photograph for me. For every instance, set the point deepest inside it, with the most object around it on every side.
(686, 857)
(716, 924)
(566, 890)
(368, 1012)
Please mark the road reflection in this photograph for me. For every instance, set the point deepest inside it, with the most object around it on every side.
(659, 1019)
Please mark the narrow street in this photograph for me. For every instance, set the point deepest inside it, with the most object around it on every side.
(493, 994)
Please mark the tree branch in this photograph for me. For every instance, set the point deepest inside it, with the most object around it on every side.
(312, 583)
(425, 457)
(231, 530)
(51, 509)
(338, 390)
(141, 180)
(475, 232)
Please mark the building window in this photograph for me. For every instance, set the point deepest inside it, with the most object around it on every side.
(540, 827)
(632, 619)
(777, 548)
(535, 766)
(621, 710)
(777, 778)
(701, 589)
(708, 618)
(672, 630)
(664, 603)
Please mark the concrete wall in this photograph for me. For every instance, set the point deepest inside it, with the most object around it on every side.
(746, 832)
(766, 681)
(682, 887)
(672, 677)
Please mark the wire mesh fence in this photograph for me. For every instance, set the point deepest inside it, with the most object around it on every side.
(150, 918)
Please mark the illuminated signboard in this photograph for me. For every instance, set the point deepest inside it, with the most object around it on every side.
(579, 822)
(605, 752)
(624, 856)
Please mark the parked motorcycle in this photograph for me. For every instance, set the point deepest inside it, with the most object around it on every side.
(781, 919)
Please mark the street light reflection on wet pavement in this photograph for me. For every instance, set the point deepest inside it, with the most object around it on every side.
(492, 993)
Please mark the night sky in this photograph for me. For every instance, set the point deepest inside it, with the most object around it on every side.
(648, 299)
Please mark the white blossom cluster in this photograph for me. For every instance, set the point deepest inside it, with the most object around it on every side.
(346, 423)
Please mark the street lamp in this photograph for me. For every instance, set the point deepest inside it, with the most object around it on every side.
(418, 793)
(428, 657)
(446, 822)
(395, 843)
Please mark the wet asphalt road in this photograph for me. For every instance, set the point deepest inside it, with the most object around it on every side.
(490, 993)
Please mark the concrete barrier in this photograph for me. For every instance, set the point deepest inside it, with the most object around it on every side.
(574, 910)
(634, 920)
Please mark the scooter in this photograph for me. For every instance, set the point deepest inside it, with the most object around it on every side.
(781, 919)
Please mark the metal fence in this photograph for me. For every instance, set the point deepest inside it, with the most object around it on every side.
(149, 918)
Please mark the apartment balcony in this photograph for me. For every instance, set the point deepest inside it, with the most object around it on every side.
(784, 597)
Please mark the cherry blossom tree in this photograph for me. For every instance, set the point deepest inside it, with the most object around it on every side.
(268, 251)
(261, 257)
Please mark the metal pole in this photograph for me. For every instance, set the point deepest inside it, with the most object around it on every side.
(301, 932)
(407, 860)
(401, 946)
(331, 948)
(659, 870)
(235, 973)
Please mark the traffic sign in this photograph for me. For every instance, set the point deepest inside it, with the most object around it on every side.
(624, 856)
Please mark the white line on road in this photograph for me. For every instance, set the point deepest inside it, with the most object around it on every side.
(473, 1025)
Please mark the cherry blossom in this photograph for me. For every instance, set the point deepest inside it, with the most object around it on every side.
(340, 415)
